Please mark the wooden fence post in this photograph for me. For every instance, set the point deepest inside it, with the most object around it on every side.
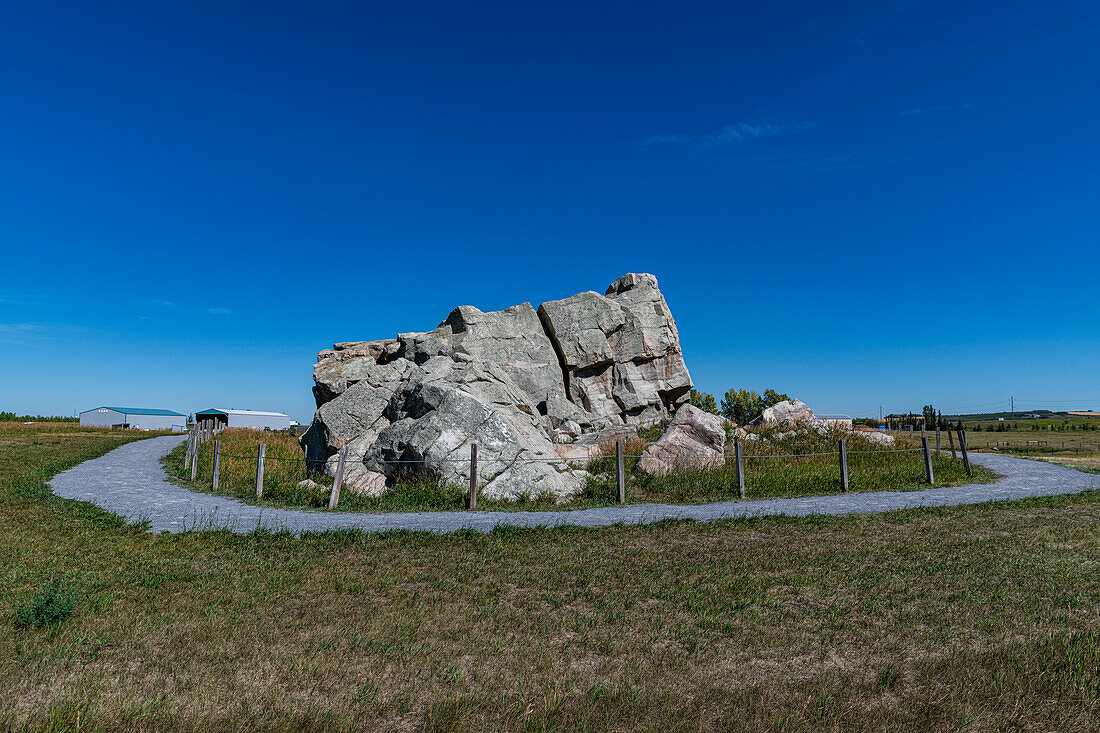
(334, 498)
(471, 499)
(195, 455)
(187, 453)
(261, 452)
(739, 456)
(843, 464)
(217, 465)
(951, 442)
(927, 458)
(620, 474)
(962, 447)
(910, 432)
(937, 440)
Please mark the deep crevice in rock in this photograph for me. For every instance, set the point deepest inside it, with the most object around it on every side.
(548, 329)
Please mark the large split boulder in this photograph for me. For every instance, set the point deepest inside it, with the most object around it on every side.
(525, 386)
(694, 439)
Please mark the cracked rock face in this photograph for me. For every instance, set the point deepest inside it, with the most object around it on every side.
(620, 352)
(512, 381)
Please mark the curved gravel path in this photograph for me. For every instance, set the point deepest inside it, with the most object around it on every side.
(129, 481)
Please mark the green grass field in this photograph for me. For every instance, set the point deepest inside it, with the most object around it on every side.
(870, 468)
(1029, 442)
(975, 618)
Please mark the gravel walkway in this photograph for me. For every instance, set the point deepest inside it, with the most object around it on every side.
(129, 481)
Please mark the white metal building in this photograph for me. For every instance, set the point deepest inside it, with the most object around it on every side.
(137, 418)
(837, 421)
(243, 419)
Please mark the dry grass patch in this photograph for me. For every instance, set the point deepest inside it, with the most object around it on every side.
(971, 618)
(1089, 463)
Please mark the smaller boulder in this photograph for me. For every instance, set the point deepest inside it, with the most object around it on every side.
(366, 483)
(571, 428)
(694, 439)
(567, 432)
(310, 484)
(787, 415)
(880, 438)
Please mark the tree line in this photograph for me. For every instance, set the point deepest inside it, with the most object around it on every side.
(12, 417)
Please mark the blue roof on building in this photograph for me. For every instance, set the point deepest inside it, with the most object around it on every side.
(138, 411)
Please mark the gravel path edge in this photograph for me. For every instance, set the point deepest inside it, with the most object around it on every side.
(131, 483)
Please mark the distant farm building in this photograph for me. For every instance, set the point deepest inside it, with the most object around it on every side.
(837, 421)
(243, 419)
(135, 418)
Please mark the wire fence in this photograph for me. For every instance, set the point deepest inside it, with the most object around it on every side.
(741, 466)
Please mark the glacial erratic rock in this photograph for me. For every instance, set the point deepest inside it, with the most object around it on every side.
(694, 439)
(530, 388)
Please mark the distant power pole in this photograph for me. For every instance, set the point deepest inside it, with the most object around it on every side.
(880, 413)
(1012, 402)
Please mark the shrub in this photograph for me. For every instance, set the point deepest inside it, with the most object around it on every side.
(54, 602)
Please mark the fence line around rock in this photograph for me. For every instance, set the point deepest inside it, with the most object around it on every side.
(199, 437)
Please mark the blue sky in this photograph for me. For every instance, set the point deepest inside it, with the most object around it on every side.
(861, 204)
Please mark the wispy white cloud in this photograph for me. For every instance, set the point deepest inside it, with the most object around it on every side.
(936, 108)
(19, 333)
(171, 305)
(738, 132)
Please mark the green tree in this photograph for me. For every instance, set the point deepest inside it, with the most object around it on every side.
(741, 405)
(771, 397)
(703, 401)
